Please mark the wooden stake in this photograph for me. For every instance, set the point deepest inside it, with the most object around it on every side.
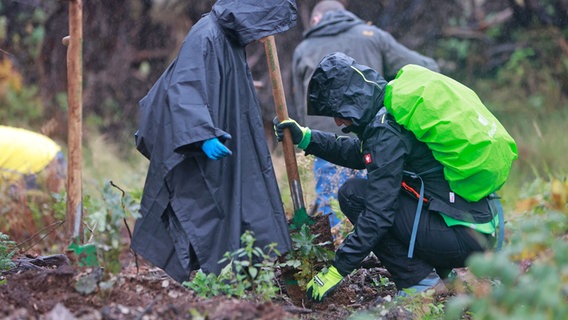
(74, 214)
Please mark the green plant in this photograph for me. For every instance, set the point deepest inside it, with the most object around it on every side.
(249, 269)
(106, 219)
(7, 251)
(253, 267)
(307, 255)
(382, 282)
(211, 285)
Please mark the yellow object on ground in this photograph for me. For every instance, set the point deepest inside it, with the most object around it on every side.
(23, 152)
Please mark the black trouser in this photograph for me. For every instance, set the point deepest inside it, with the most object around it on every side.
(437, 245)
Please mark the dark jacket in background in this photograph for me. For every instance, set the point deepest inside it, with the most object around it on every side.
(195, 209)
(342, 31)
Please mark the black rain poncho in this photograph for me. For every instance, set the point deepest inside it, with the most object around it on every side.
(195, 209)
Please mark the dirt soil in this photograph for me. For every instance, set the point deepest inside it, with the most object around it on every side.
(45, 288)
(49, 293)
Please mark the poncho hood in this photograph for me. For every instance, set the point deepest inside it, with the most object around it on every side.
(250, 20)
(342, 88)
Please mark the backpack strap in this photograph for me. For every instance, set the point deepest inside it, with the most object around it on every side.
(497, 209)
(494, 204)
(420, 203)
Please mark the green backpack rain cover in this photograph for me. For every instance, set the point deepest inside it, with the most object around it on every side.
(474, 148)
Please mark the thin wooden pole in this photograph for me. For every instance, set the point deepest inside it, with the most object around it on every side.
(74, 212)
(300, 215)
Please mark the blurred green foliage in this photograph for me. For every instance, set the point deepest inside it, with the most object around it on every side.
(529, 277)
(7, 251)
(18, 104)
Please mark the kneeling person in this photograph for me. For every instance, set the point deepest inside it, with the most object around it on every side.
(383, 207)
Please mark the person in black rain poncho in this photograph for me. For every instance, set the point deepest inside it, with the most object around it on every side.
(210, 176)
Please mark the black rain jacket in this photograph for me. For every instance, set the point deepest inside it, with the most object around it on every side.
(342, 88)
(206, 92)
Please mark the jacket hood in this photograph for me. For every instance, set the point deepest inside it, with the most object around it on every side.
(332, 23)
(250, 20)
(342, 88)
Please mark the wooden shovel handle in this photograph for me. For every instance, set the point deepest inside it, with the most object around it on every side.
(282, 114)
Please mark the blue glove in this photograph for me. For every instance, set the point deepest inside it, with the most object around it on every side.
(300, 135)
(214, 149)
(323, 284)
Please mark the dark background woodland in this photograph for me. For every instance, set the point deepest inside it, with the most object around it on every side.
(128, 43)
(513, 53)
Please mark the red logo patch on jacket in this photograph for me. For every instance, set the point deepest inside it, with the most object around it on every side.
(367, 158)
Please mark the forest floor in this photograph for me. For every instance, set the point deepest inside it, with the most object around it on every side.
(50, 292)
(49, 288)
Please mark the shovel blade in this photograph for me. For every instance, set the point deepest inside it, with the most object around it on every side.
(300, 218)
